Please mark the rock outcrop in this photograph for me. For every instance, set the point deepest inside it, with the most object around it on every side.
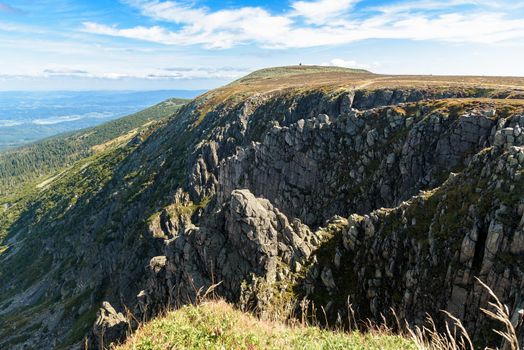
(111, 327)
(244, 240)
(320, 167)
(421, 256)
(393, 196)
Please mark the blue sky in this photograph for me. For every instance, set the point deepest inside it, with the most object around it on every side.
(200, 44)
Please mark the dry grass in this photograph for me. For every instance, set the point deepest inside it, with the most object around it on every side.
(120, 140)
(217, 325)
(288, 71)
(299, 79)
(456, 337)
(430, 338)
(213, 324)
(500, 312)
(294, 76)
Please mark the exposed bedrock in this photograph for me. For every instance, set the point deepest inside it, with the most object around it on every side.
(330, 176)
(277, 195)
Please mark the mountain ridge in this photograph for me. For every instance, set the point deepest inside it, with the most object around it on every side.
(250, 181)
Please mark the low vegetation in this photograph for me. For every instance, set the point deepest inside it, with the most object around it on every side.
(280, 72)
(40, 159)
(217, 325)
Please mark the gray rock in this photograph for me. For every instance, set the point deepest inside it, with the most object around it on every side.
(110, 327)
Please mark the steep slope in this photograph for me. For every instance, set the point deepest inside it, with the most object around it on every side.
(423, 255)
(417, 258)
(42, 158)
(187, 202)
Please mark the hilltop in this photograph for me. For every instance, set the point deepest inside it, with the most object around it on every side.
(294, 80)
(324, 184)
(301, 70)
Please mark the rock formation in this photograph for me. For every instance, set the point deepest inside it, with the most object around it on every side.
(268, 192)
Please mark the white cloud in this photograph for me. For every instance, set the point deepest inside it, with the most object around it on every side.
(175, 73)
(6, 27)
(424, 5)
(5, 123)
(153, 34)
(65, 71)
(320, 11)
(326, 22)
(340, 62)
(199, 73)
(218, 29)
(174, 11)
(72, 118)
(19, 28)
(479, 28)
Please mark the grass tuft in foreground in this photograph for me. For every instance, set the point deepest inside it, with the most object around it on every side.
(217, 325)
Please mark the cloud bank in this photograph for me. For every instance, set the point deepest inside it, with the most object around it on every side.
(318, 23)
(168, 73)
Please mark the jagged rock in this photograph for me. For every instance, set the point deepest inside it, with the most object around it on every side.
(468, 246)
(327, 278)
(203, 192)
(256, 245)
(424, 250)
(251, 229)
(110, 327)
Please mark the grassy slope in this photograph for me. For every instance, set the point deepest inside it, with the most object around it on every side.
(49, 206)
(217, 325)
(280, 72)
(294, 80)
(58, 160)
(40, 159)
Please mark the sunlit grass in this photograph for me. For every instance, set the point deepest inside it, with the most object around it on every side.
(217, 325)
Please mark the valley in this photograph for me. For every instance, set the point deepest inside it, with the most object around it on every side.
(30, 116)
(290, 184)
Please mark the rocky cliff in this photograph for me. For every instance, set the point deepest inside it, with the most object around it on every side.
(452, 181)
(394, 192)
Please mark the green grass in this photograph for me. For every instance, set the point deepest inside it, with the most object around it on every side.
(217, 325)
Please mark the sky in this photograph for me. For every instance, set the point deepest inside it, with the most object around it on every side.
(202, 44)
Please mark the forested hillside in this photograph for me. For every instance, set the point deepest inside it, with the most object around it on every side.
(39, 159)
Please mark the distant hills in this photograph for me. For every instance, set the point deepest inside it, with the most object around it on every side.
(28, 116)
(39, 159)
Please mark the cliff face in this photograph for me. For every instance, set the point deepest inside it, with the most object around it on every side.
(278, 192)
(422, 256)
(418, 257)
